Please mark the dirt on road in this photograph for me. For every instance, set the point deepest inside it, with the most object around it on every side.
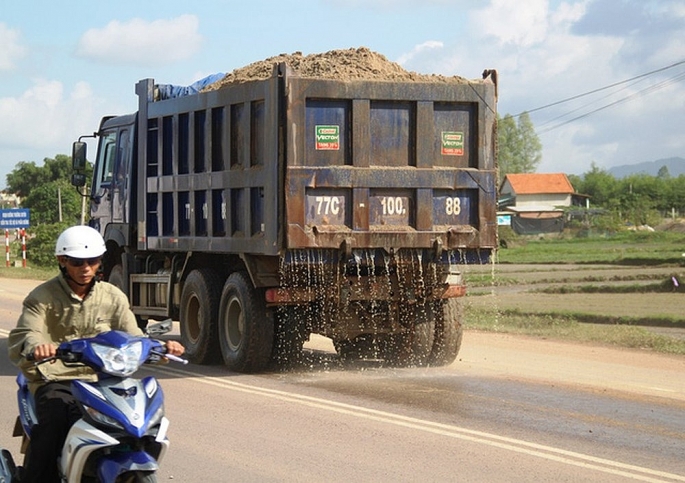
(627, 373)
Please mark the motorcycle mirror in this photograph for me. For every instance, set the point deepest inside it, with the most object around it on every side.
(158, 328)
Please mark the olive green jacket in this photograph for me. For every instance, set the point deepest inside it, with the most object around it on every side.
(53, 313)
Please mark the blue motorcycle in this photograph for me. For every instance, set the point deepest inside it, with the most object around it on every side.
(122, 435)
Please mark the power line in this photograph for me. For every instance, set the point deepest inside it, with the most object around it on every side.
(588, 104)
(594, 91)
(644, 91)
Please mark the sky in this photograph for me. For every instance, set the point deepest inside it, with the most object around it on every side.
(64, 65)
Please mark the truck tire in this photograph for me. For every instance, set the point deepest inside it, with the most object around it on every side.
(413, 346)
(448, 333)
(198, 315)
(116, 278)
(246, 327)
(290, 334)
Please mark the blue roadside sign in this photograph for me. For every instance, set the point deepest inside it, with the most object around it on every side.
(14, 218)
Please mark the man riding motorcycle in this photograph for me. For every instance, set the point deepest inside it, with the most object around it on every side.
(72, 305)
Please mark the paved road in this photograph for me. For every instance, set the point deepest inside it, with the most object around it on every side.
(510, 409)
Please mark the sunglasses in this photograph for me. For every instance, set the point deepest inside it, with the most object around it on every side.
(78, 262)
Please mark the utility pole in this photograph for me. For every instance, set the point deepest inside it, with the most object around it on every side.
(83, 206)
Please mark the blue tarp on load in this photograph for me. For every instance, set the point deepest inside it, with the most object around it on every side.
(170, 91)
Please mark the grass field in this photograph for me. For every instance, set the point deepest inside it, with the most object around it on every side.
(627, 290)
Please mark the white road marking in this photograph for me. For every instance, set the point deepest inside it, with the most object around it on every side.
(520, 446)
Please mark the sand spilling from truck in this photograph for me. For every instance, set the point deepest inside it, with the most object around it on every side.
(343, 65)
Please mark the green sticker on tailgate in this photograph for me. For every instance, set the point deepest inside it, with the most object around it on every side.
(327, 138)
(452, 143)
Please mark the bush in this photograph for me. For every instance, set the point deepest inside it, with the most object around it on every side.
(507, 236)
(40, 246)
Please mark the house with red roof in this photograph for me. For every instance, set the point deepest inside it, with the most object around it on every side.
(535, 202)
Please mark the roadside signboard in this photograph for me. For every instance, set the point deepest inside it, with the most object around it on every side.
(14, 218)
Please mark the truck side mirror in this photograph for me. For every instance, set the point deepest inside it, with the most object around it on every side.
(78, 179)
(78, 157)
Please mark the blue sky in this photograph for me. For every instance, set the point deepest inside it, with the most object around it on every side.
(64, 65)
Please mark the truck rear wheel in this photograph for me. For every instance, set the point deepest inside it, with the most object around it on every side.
(413, 346)
(291, 332)
(199, 309)
(448, 333)
(246, 327)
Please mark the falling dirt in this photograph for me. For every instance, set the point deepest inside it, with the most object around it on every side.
(345, 65)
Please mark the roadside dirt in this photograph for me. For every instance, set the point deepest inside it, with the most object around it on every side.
(631, 373)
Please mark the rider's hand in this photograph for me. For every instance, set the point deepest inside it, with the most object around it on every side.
(44, 351)
(174, 348)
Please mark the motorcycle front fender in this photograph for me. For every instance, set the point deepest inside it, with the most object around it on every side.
(113, 465)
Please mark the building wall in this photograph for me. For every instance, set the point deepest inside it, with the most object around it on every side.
(551, 200)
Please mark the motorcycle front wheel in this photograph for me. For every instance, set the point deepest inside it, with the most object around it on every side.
(137, 477)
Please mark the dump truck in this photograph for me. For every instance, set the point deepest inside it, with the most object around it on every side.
(265, 211)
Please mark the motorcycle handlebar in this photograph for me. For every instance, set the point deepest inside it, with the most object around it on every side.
(68, 356)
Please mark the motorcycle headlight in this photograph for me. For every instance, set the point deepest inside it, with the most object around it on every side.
(101, 418)
(122, 361)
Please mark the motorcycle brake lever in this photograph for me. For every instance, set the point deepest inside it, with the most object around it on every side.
(38, 363)
(171, 357)
(176, 359)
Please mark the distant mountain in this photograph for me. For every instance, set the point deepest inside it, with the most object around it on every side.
(676, 167)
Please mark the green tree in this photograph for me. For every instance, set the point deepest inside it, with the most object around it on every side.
(600, 185)
(636, 199)
(24, 177)
(46, 201)
(675, 197)
(27, 176)
(519, 149)
(663, 173)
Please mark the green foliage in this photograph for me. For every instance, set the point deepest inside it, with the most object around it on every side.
(45, 201)
(622, 248)
(27, 176)
(639, 199)
(45, 189)
(40, 247)
(519, 149)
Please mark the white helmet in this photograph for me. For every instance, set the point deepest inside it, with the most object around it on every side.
(80, 242)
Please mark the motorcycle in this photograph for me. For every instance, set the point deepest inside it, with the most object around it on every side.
(122, 435)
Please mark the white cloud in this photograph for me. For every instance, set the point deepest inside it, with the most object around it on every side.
(139, 42)
(673, 8)
(10, 48)
(45, 120)
(418, 50)
(514, 22)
